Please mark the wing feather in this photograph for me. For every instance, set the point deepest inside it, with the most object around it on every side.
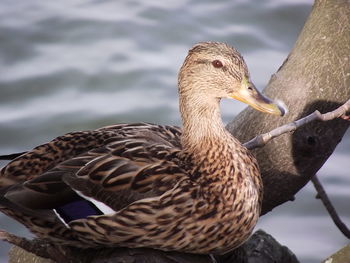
(108, 164)
(117, 165)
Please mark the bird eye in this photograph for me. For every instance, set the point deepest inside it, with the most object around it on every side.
(217, 64)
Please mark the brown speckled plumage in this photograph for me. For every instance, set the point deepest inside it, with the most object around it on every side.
(197, 190)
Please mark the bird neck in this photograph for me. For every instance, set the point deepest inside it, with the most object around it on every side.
(214, 159)
(207, 146)
(201, 121)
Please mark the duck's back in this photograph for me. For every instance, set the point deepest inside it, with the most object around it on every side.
(132, 137)
(114, 166)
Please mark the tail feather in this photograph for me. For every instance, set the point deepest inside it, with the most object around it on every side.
(12, 209)
(42, 223)
(11, 156)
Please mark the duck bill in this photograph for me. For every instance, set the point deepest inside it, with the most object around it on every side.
(251, 96)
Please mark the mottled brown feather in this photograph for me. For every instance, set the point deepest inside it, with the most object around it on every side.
(197, 190)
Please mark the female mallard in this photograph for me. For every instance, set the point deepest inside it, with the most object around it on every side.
(144, 185)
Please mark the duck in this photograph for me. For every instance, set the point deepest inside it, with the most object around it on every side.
(194, 189)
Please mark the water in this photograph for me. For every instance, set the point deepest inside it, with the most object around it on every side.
(74, 65)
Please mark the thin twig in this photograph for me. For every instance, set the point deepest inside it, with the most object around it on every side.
(262, 139)
(38, 248)
(329, 206)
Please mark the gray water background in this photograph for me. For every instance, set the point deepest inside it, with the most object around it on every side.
(75, 65)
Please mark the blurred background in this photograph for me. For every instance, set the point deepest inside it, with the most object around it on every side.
(74, 65)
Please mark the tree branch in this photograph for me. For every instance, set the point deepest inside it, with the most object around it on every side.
(321, 193)
(262, 139)
(38, 247)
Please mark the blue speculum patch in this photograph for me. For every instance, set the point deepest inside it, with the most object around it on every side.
(77, 210)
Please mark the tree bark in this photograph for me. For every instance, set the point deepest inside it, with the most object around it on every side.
(315, 76)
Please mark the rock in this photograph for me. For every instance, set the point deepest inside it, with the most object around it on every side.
(341, 256)
(260, 248)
